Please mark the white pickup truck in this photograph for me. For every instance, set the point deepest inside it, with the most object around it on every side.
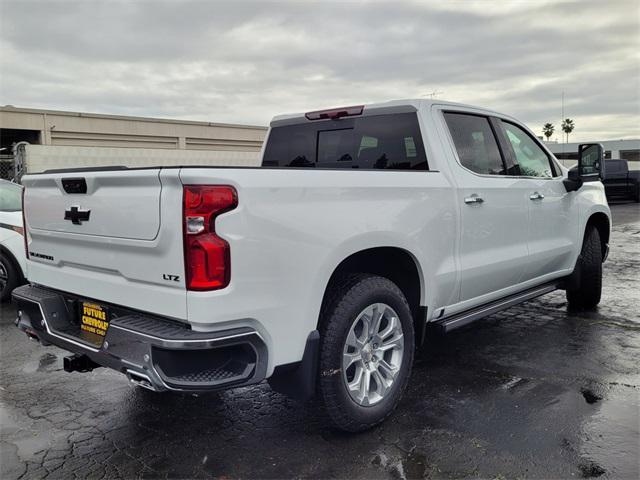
(365, 228)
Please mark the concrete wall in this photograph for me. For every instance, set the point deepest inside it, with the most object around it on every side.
(38, 158)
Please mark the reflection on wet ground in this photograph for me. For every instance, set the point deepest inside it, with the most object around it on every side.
(534, 392)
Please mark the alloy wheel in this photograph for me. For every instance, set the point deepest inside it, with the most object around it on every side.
(372, 354)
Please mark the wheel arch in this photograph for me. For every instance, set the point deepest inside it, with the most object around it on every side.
(7, 253)
(600, 221)
(395, 263)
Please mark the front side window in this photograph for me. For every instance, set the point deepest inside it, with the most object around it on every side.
(10, 197)
(533, 161)
(475, 143)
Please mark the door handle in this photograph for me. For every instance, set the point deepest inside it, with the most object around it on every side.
(536, 196)
(475, 198)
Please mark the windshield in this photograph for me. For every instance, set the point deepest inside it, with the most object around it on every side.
(10, 197)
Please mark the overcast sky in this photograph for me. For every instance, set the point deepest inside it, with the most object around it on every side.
(242, 62)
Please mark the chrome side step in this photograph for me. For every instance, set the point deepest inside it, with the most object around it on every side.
(461, 319)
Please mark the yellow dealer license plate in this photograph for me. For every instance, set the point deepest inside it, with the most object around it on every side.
(94, 322)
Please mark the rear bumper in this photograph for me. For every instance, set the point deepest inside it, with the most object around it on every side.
(154, 353)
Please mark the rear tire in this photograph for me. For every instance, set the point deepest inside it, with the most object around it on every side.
(9, 277)
(586, 294)
(367, 321)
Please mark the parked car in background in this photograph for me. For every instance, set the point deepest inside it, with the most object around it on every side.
(620, 182)
(12, 255)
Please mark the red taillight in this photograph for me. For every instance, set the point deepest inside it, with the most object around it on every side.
(24, 228)
(207, 257)
(335, 113)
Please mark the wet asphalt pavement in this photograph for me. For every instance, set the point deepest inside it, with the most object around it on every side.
(532, 392)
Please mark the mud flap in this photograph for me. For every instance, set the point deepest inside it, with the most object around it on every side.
(298, 380)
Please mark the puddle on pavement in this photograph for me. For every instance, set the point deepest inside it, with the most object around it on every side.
(610, 435)
(589, 396)
(591, 470)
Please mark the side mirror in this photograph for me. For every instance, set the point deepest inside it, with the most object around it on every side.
(590, 162)
(573, 181)
(590, 167)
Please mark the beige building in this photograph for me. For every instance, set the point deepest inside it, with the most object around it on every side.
(60, 139)
(51, 127)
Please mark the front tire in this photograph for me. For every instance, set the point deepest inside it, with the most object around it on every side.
(366, 351)
(9, 277)
(586, 294)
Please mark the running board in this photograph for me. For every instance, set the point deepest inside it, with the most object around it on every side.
(461, 319)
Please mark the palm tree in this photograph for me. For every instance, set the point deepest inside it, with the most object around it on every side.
(548, 130)
(568, 126)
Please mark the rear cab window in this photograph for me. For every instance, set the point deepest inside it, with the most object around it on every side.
(388, 141)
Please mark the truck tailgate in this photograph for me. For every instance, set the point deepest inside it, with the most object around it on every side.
(121, 240)
(123, 204)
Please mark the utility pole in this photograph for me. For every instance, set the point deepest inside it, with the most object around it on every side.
(562, 120)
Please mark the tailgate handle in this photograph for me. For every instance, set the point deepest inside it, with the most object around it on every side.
(74, 185)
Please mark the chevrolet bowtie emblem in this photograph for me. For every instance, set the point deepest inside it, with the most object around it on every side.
(76, 215)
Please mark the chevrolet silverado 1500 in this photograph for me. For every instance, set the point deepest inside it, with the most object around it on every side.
(365, 229)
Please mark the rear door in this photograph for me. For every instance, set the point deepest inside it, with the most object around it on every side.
(493, 246)
(112, 235)
(552, 228)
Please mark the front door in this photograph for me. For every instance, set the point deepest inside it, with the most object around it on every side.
(553, 225)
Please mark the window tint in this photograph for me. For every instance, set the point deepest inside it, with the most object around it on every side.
(335, 146)
(378, 142)
(475, 143)
(616, 166)
(533, 161)
(10, 197)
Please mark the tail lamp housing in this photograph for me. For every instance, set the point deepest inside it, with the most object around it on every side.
(207, 257)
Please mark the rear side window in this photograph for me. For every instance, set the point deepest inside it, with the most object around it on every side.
(390, 142)
(475, 143)
(533, 161)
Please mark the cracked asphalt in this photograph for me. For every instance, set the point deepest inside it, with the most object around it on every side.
(532, 392)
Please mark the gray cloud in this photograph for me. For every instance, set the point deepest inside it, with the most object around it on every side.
(246, 61)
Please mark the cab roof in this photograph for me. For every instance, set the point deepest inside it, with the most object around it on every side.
(392, 106)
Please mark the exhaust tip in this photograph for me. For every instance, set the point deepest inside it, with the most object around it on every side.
(141, 380)
(32, 336)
